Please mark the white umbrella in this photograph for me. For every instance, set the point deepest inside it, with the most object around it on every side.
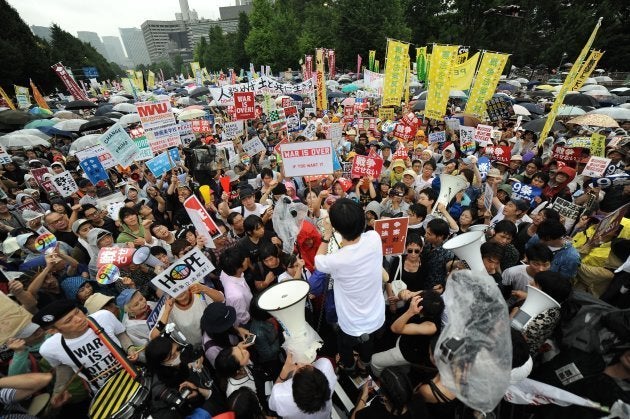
(128, 119)
(522, 80)
(618, 114)
(625, 105)
(178, 110)
(118, 99)
(604, 79)
(84, 142)
(515, 83)
(590, 80)
(599, 71)
(620, 90)
(520, 110)
(570, 111)
(598, 93)
(162, 97)
(125, 107)
(590, 87)
(31, 131)
(332, 84)
(457, 94)
(191, 114)
(185, 101)
(70, 124)
(22, 140)
(65, 115)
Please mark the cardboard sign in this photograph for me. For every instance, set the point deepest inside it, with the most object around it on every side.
(113, 208)
(483, 134)
(65, 184)
(155, 114)
(276, 148)
(120, 144)
(309, 111)
(437, 137)
(163, 138)
(190, 268)
(525, 192)
(159, 164)
(244, 105)
(233, 129)
(566, 154)
(596, 166)
(307, 158)
(119, 256)
(254, 146)
(466, 139)
(393, 232)
(293, 118)
(609, 224)
(94, 170)
(204, 224)
(366, 166)
(400, 153)
(104, 156)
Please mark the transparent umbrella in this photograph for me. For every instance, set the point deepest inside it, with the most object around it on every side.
(618, 114)
(70, 124)
(125, 108)
(22, 140)
(191, 114)
(84, 142)
(130, 118)
(521, 110)
(118, 99)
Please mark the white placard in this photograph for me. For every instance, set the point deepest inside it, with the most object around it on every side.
(483, 134)
(190, 268)
(307, 158)
(233, 129)
(104, 156)
(596, 166)
(65, 184)
(5, 158)
(254, 146)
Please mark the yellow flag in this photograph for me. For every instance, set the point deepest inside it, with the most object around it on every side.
(22, 97)
(568, 84)
(394, 81)
(7, 99)
(194, 66)
(127, 84)
(321, 97)
(598, 145)
(587, 69)
(139, 80)
(440, 70)
(204, 74)
(486, 80)
(150, 79)
(39, 99)
(463, 73)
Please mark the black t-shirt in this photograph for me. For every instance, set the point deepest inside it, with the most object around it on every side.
(376, 410)
(415, 348)
(68, 237)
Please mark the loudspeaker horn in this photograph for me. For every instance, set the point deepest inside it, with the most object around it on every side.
(143, 255)
(206, 194)
(466, 247)
(449, 187)
(480, 227)
(535, 303)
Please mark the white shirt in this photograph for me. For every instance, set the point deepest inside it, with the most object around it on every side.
(88, 348)
(187, 321)
(138, 330)
(281, 399)
(238, 295)
(517, 277)
(357, 273)
(421, 184)
(500, 216)
(259, 210)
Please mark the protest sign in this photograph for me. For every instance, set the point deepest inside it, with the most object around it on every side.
(393, 232)
(608, 224)
(437, 137)
(619, 179)
(40, 174)
(366, 166)
(335, 131)
(276, 148)
(254, 146)
(596, 166)
(65, 184)
(498, 109)
(501, 154)
(293, 118)
(33, 206)
(94, 170)
(574, 142)
(119, 256)
(162, 163)
(113, 208)
(163, 138)
(483, 134)
(199, 126)
(224, 95)
(386, 114)
(120, 144)
(486, 80)
(154, 316)
(400, 153)
(466, 139)
(566, 154)
(307, 158)
(404, 132)
(488, 195)
(570, 211)
(144, 151)
(310, 131)
(452, 123)
(309, 111)
(14, 317)
(598, 145)
(244, 105)
(4, 156)
(155, 114)
(443, 59)
(369, 124)
(525, 192)
(104, 156)
(204, 224)
(233, 129)
(190, 268)
(277, 120)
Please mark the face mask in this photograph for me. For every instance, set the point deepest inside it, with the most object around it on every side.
(173, 362)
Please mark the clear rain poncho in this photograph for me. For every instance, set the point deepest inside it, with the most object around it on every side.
(474, 350)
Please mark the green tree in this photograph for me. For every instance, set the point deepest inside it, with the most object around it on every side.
(178, 65)
(240, 57)
(320, 25)
(200, 51)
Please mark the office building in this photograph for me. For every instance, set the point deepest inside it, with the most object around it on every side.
(93, 39)
(156, 36)
(115, 50)
(136, 47)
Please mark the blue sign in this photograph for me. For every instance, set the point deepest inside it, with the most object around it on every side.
(154, 316)
(94, 170)
(525, 192)
(161, 163)
(483, 164)
(90, 72)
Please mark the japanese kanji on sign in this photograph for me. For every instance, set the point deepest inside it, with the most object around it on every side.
(393, 232)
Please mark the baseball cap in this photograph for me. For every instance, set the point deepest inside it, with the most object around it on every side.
(245, 191)
(494, 172)
(52, 312)
(76, 226)
(217, 318)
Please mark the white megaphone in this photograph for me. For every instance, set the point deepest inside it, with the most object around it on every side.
(535, 303)
(449, 187)
(466, 247)
(143, 255)
(286, 302)
(480, 227)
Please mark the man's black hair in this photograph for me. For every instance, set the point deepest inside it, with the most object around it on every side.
(311, 389)
(551, 230)
(252, 222)
(232, 261)
(539, 252)
(506, 226)
(347, 217)
(430, 193)
(439, 228)
(492, 250)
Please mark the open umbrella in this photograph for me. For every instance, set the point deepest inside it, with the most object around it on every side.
(186, 101)
(541, 93)
(544, 87)
(22, 140)
(199, 91)
(97, 122)
(459, 94)
(40, 123)
(570, 111)
(332, 84)
(593, 120)
(533, 108)
(81, 104)
(103, 109)
(70, 124)
(31, 131)
(331, 95)
(114, 115)
(590, 80)
(117, 99)
(506, 86)
(578, 99)
(65, 115)
(40, 112)
(125, 108)
(191, 114)
(84, 142)
(522, 80)
(54, 131)
(520, 110)
(591, 87)
(616, 113)
(537, 125)
(603, 79)
(349, 88)
(14, 117)
(130, 118)
(514, 83)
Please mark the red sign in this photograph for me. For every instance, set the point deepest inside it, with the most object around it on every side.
(119, 256)
(566, 154)
(348, 113)
(308, 67)
(367, 124)
(202, 221)
(412, 120)
(68, 81)
(245, 105)
(286, 102)
(401, 153)
(404, 132)
(501, 154)
(136, 132)
(393, 232)
(201, 126)
(366, 166)
(277, 147)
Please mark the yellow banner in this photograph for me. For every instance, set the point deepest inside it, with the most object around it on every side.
(194, 66)
(321, 98)
(39, 99)
(22, 96)
(462, 74)
(139, 80)
(488, 75)
(204, 74)
(587, 69)
(598, 145)
(7, 99)
(569, 82)
(407, 79)
(150, 79)
(386, 114)
(440, 70)
(461, 58)
(394, 82)
(371, 58)
(377, 66)
(127, 85)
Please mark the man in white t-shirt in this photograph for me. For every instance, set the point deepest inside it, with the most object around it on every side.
(515, 210)
(76, 345)
(248, 206)
(539, 259)
(356, 269)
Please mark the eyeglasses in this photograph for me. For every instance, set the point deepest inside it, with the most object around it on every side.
(90, 215)
(414, 251)
(56, 221)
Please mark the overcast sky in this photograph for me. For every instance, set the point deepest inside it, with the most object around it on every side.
(106, 16)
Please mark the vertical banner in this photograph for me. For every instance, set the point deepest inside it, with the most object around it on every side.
(407, 79)
(39, 99)
(22, 97)
(150, 79)
(140, 80)
(7, 99)
(68, 81)
(194, 66)
(568, 84)
(463, 73)
(371, 58)
(440, 72)
(358, 64)
(488, 75)
(321, 99)
(586, 69)
(462, 54)
(331, 64)
(377, 66)
(421, 63)
(308, 67)
(394, 82)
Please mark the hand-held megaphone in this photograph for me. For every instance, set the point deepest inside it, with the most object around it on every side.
(535, 303)
(449, 187)
(480, 227)
(467, 247)
(286, 302)
(143, 255)
(205, 192)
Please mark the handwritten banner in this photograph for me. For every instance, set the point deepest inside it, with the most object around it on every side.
(440, 71)
(488, 75)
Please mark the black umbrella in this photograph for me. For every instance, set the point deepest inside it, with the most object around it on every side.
(537, 125)
(419, 105)
(578, 99)
(533, 108)
(97, 122)
(11, 117)
(80, 104)
(332, 94)
(199, 91)
(127, 95)
(541, 93)
(104, 109)
(114, 114)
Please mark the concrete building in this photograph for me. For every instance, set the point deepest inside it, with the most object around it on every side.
(93, 39)
(42, 31)
(136, 48)
(115, 50)
(156, 36)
